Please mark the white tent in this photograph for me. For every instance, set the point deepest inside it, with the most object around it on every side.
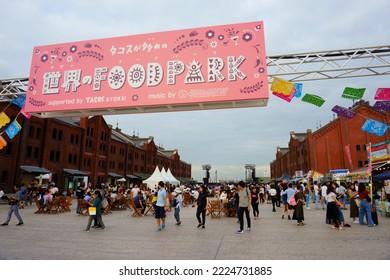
(153, 180)
(43, 177)
(169, 177)
(164, 174)
(172, 178)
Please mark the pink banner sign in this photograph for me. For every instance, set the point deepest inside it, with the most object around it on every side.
(216, 65)
(347, 149)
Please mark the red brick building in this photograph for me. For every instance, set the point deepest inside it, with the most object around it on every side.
(341, 144)
(73, 149)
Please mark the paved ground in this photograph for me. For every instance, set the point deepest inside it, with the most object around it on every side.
(61, 237)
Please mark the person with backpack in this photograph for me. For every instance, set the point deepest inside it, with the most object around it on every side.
(176, 203)
(244, 206)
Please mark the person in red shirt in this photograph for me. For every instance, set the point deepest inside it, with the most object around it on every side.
(365, 206)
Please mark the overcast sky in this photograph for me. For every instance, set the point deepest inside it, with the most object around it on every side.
(226, 139)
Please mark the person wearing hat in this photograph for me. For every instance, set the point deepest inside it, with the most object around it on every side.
(177, 202)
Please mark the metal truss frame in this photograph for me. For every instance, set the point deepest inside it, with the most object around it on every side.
(334, 64)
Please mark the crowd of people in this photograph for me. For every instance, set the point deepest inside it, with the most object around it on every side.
(240, 200)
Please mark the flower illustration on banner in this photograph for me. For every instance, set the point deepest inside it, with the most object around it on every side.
(374, 127)
(44, 58)
(210, 34)
(247, 36)
(213, 44)
(73, 49)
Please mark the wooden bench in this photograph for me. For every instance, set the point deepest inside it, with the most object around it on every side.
(41, 207)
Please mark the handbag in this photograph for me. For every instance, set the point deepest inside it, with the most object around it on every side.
(292, 201)
(357, 201)
(92, 211)
(12, 202)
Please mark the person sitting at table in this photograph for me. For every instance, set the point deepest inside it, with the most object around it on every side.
(139, 202)
(223, 196)
(47, 198)
(87, 197)
(114, 195)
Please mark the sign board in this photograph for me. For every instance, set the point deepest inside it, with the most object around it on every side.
(380, 151)
(200, 68)
(299, 174)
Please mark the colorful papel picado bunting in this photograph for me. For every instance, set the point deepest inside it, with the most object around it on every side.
(287, 98)
(382, 105)
(374, 127)
(27, 115)
(341, 111)
(313, 99)
(4, 119)
(382, 94)
(13, 129)
(298, 90)
(282, 86)
(3, 143)
(353, 93)
(19, 101)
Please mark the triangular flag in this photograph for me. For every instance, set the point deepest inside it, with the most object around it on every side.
(374, 127)
(4, 119)
(341, 111)
(3, 143)
(382, 94)
(13, 129)
(19, 101)
(353, 93)
(313, 99)
(282, 86)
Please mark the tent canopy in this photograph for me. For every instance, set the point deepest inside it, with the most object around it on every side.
(382, 176)
(153, 180)
(170, 178)
(43, 177)
(158, 176)
(284, 177)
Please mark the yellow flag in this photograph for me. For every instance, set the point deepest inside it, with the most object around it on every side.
(282, 86)
(4, 119)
